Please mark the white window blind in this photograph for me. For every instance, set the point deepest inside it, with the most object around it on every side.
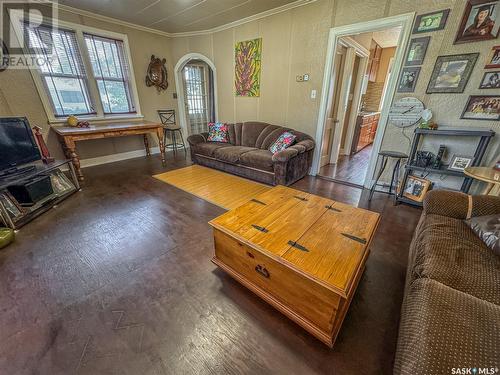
(111, 71)
(63, 72)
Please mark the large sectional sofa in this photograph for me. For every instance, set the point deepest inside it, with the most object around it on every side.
(450, 319)
(247, 153)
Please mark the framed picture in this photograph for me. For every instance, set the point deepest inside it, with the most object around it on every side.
(490, 80)
(60, 183)
(460, 162)
(451, 73)
(431, 21)
(417, 50)
(408, 79)
(9, 203)
(480, 21)
(482, 107)
(416, 188)
(493, 60)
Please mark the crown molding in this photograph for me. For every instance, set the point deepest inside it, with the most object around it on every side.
(267, 13)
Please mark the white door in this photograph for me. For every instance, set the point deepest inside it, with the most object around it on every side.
(195, 79)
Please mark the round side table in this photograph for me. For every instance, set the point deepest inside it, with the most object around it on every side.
(484, 174)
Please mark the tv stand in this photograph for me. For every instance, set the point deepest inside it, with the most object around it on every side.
(12, 172)
(12, 213)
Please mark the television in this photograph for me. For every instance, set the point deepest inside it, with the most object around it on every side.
(17, 144)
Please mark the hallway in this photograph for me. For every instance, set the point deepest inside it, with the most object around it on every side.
(350, 168)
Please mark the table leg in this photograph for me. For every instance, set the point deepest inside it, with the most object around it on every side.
(70, 151)
(488, 189)
(161, 143)
(146, 144)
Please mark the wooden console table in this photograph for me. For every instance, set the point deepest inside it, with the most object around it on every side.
(68, 136)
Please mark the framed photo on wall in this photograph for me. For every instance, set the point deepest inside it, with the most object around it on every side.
(431, 21)
(480, 21)
(417, 50)
(416, 188)
(451, 73)
(482, 107)
(493, 60)
(490, 80)
(408, 79)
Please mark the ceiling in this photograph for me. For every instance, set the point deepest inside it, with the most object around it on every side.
(174, 16)
(388, 37)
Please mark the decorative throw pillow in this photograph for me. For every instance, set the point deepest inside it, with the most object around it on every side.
(487, 228)
(284, 140)
(218, 132)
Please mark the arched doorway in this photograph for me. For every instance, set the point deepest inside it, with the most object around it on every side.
(196, 82)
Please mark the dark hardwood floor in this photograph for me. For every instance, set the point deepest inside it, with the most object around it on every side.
(349, 168)
(118, 280)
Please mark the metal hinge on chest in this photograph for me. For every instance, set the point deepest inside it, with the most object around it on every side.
(360, 240)
(259, 228)
(297, 246)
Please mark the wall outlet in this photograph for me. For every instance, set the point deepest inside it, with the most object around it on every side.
(175, 95)
(313, 94)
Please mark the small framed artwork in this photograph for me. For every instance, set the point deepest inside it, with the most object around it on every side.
(417, 50)
(416, 188)
(482, 107)
(431, 21)
(490, 80)
(408, 79)
(451, 73)
(480, 21)
(493, 60)
(460, 162)
(9, 203)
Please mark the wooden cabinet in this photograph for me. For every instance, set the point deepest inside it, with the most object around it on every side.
(374, 61)
(366, 129)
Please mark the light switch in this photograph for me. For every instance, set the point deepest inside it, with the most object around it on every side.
(313, 94)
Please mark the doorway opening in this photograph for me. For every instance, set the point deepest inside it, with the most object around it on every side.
(363, 63)
(196, 92)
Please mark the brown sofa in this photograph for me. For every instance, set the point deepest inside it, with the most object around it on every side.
(451, 310)
(247, 153)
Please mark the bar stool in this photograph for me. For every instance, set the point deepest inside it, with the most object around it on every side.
(170, 127)
(386, 155)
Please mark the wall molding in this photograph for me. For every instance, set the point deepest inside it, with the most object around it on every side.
(117, 157)
(267, 13)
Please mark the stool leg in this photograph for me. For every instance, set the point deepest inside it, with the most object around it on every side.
(398, 167)
(174, 143)
(395, 172)
(382, 167)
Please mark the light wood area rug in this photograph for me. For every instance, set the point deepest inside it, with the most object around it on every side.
(222, 189)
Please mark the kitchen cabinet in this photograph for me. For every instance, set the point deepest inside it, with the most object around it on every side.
(374, 61)
(366, 128)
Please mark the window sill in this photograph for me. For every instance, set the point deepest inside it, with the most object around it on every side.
(99, 119)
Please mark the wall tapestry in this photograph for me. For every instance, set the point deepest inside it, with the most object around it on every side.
(247, 56)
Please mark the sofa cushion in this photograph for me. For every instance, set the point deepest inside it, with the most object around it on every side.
(447, 251)
(208, 148)
(250, 132)
(231, 154)
(218, 132)
(284, 141)
(442, 328)
(487, 228)
(260, 159)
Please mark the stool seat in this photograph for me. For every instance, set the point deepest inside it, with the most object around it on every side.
(393, 154)
(171, 127)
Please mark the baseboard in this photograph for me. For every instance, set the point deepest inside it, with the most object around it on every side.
(116, 157)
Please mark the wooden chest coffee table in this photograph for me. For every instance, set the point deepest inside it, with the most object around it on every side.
(301, 253)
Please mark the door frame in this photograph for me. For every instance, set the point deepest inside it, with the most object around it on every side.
(180, 87)
(403, 20)
(357, 81)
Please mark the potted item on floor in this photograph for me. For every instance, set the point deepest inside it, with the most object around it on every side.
(7, 236)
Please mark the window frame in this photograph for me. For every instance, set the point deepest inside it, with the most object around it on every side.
(79, 30)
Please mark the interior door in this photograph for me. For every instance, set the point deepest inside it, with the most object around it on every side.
(331, 120)
(195, 79)
(343, 102)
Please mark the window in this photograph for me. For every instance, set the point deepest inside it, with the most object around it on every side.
(111, 72)
(64, 72)
(87, 74)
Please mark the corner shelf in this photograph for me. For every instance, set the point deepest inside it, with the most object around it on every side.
(484, 136)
